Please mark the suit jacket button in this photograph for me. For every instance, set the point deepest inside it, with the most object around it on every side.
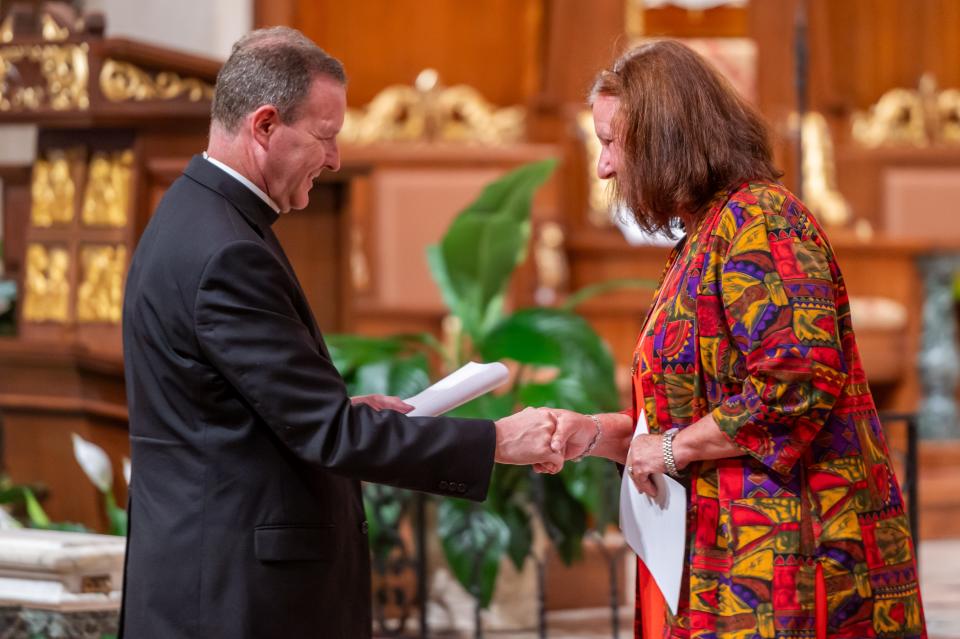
(364, 527)
(462, 487)
(443, 484)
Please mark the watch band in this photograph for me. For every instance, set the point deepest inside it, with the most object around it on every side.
(668, 460)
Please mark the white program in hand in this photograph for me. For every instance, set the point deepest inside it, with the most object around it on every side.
(466, 383)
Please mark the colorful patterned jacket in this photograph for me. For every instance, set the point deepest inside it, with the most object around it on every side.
(755, 329)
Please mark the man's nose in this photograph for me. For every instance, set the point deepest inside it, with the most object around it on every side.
(333, 158)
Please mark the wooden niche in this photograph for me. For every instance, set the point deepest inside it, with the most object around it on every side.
(114, 119)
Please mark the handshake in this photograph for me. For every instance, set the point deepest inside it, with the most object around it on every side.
(542, 437)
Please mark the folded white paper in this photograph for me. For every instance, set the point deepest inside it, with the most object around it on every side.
(656, 527)
(466, 383)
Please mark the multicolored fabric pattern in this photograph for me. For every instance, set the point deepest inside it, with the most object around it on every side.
(754, 328)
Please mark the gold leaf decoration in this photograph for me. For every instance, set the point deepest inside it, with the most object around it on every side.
(107, 196)
(122, 82)
(428, 112)
(47, 284)
(100, 294)
(63, 67)
(922, 117)
(53, 189)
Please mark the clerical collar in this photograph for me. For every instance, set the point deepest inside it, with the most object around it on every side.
(244, 181)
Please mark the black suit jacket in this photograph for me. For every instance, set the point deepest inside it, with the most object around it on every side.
(246, 518)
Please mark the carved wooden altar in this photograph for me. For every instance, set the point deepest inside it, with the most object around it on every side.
(111, 115)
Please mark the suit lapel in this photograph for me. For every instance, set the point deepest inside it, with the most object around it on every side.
(261, 217)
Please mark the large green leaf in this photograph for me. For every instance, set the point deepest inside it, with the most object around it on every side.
(564, 518)
(520, 543)
(473, 262)
(397, 377)
(351, 351)
(384, 506)
(509, 496)
(560, 340)
(486, 407)
(474, 541)
(594, 482)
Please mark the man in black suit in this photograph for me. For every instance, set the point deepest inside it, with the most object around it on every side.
(246, 517)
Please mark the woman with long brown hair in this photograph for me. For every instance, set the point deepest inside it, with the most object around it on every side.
(747, 373)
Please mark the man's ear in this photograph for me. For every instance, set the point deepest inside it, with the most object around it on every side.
(263, 122)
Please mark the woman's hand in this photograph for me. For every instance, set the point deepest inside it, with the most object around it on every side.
(645, 458)
(381, 402)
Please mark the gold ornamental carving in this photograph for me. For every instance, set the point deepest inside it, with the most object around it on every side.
(948, 111)
(122, 82)
(359, 265)
(429, 112)
(906, 117)
(107, 196)
(52, 189)
(820, 191)
(598, 196)
(64, 69)
(46, 283)
(51, 31)
(100, 293)
(551, 259)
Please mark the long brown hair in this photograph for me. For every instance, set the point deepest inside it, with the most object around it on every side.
(685, 133)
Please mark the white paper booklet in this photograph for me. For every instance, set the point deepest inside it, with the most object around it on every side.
(656, 529)
(459, 387)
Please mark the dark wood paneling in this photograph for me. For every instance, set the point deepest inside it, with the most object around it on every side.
(492, 45)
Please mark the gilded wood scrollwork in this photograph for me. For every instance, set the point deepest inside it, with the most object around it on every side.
(122, 81)
(906, 117)
(430, 112)
(63, 67)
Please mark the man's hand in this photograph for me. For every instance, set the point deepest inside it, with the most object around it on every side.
(526, 437)
(380, 402)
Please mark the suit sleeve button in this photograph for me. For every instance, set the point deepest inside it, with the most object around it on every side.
(443, 484)
(364, 527)
(462, 487)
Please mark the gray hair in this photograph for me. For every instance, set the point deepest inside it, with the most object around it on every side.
(273, 66)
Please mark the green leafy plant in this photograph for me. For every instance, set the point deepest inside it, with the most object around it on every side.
(560, 362)
(21, 499)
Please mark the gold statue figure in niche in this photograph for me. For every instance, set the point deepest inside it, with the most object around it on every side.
(107, 195)
(100, 294)
(47, 286)
(52, 190)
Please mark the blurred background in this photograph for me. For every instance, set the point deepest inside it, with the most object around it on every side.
(103, 102)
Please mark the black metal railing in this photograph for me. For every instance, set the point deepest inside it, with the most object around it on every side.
(393, 610)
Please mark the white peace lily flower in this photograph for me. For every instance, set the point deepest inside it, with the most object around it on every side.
(127, 469)
(7, 522)
(94, 463)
